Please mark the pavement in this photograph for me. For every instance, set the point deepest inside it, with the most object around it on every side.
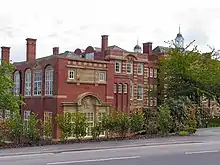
(203, 148)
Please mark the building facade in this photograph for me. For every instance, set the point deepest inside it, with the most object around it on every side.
(92, 81)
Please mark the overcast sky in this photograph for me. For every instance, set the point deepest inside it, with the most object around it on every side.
(72, 24)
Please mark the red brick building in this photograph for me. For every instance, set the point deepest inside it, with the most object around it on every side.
(92, 81)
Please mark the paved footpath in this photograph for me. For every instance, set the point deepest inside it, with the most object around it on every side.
(202, 135)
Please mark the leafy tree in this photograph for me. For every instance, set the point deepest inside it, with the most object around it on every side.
(96, 130)
(4, 130)
(190, 74)
(122, 123)
(64, 121)
(7, 100)
(108, 124)
(47, 128)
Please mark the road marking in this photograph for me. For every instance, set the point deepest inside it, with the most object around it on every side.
(94, 160)
(202, 152)
(28, 155)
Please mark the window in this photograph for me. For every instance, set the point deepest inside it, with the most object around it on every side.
(71, 74)
(37, 83)
(155, 73)
(101, 76)
(151, 101)
(16, 83)
(140, 69)
(117, 66)
(49, 81)
(151, 72)
(131, 91)
(140, 92)
(147, 72)
(151, 87)
(27, 90)
(155, 101)
(7, 114)
(119, 88)
(125, 90)
(129, 68)
(27, 114)
(115, 88)
(90, 56)
(90, 120)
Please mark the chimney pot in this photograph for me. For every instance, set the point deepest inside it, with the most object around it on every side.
(31, 49)
(5, 54)
(147, 48)
(55, 50)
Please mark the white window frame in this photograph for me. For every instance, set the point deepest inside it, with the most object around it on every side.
(71, 74)
(102, 76)
(140, 68)
(151, 101)
(147, 72)
(17, 82)
(117, 66)
(115, 88)
(151, 72)
(139, 92)
(49, 81)
(131, 91)
(155, 73)
(27, 89)
(119, 88)
(37, 89)
(129, 68)
(125, 88)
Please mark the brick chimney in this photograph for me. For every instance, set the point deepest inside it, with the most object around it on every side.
(31, 49)
(147, 48)
(55, 50)
(5, 54)
(104, 42)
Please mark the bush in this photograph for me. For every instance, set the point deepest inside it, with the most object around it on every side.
(4, 130)
(164, 120)
(183, 133)
(47, 129)
(191, 130)
(79, 125)
(137, 121)
(64, 122)
(108, 124)
(16, 127)
(122, 124)
(96, 130)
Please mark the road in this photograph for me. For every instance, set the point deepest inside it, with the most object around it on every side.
(202, 149)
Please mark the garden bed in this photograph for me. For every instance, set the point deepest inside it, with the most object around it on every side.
(5, 145)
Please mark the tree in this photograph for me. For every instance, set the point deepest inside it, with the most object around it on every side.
(7, 100)
(190, 74)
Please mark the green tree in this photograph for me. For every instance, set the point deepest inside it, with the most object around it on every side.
(122, 124)
(7, 100)
(190, 74)
(108, 124)
(137, 121)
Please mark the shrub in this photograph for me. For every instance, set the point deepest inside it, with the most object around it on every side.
(108, 124)
(16, 127)
(31, 128)
(164, 120)
(64, 122)
(4, 130)
(47, 129)
(137, 121)
(80, 125)
(96, 130)
(122, 124)
(183, 133)
(151, 126)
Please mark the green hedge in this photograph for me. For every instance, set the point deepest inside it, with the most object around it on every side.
(211, 122)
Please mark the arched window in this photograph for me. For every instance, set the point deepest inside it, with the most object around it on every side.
(16, 83)
(115, 88)
(119, 88)
(125, 88)
(27, 89)
(49, 81)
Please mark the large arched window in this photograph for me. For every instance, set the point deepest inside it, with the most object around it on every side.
(16, 83)
(49, 81)
(27, 89)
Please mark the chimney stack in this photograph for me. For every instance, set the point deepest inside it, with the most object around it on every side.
(5, 54)
(55, 50)
(104, 42)
(147, 48)
(31, 49)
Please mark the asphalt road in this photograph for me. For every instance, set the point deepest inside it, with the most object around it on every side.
(205, 151)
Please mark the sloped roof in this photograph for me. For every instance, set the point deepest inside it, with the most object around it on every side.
(161, 49)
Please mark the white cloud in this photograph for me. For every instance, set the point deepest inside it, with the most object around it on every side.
(71, 24)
